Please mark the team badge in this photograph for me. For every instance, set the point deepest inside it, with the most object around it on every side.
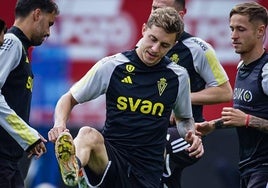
(130, 68)
(175, 58)
(162, 84)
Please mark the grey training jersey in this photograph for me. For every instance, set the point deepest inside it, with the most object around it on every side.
(16, 80)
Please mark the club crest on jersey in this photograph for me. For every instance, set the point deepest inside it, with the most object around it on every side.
(130, 68)
(161, 84)
(175, 58)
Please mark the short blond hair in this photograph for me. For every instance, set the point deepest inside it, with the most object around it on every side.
(168, 19)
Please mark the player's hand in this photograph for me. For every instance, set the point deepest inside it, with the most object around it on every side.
(39, 149)
(196, 149)
(233, 117)
(204, 128)
(55, 132)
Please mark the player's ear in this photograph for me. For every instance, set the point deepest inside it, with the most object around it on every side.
(261, 31)
(36, 14)
(144, 28)
(182, 13)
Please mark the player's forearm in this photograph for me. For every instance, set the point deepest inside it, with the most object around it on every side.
(63, 109)
(15, 126)
(185, 125)
(258, 123)
(212, 95)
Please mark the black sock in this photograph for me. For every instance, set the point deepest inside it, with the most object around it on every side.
(79, 162)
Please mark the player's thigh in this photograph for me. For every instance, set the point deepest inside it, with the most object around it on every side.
(89, 143)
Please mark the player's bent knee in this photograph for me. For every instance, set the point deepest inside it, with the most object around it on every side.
(90, 136)
(83, 131)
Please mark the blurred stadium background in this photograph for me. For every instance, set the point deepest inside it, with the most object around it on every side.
(88, 30)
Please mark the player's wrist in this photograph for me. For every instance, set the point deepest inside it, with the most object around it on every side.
(218, 124)
(247, 120)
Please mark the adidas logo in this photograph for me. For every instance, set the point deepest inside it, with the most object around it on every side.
(127, 80)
